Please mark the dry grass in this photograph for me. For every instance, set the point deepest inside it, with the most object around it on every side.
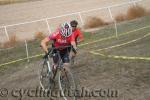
(14, 40)
(93, 22)
(132, 13)
(148, 12)
(120, 17)
(135, 12)
(4, 2)
(39, 35)
(11, 42)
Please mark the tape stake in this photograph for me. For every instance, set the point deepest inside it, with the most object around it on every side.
(103, 39)
(18, 60)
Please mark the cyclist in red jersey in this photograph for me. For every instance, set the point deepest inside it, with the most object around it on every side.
(62, 37)
(77, 35)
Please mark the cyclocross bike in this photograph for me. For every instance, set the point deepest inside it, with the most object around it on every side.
(50, 77)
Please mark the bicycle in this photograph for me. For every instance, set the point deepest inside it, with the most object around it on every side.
(49, 75)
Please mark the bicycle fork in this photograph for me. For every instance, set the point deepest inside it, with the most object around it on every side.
(49, 67)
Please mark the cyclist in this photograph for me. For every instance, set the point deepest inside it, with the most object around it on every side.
(77, 35)
(61, 37)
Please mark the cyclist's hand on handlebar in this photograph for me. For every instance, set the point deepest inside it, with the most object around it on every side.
(75, 50)
(45, 56)
(46, 53)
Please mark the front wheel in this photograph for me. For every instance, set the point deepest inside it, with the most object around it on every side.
(67, 85)
(46, 74)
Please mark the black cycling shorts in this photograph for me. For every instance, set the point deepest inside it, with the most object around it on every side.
(64, 55)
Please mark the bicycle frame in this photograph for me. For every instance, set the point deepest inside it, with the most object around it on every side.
(47, 58)
(48, 64)
(59, 70)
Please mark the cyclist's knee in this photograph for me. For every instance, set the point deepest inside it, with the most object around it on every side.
(66, 59)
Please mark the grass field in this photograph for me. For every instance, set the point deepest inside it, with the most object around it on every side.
(130, 77)
(19, 50)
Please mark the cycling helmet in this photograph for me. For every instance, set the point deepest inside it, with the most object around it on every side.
(66, 29)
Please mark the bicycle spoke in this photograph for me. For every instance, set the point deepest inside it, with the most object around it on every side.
(46, 80)
(67, 86)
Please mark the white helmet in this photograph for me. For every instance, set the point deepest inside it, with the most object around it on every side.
(65, 29)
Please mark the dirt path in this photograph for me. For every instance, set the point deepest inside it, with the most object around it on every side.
(31, 11)
(94, 73)
(28, 11)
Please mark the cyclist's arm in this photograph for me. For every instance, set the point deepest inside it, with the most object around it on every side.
(43, 44)
(80, 37)
(47, 39)
(74, 45)
(71, 40)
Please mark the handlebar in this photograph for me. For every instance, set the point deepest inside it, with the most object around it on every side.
(50, 50)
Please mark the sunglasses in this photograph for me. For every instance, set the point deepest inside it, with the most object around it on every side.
(73, 26)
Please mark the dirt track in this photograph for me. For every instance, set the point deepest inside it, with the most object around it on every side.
(16, 13)
(94, 73)
(28, 11)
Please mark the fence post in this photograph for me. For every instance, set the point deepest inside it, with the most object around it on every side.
(115, 24)
(82, 22)
(49, 30)
(27, 51)
(134, 3)
(6, 33)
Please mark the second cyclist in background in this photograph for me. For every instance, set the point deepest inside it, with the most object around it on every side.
(77, 35)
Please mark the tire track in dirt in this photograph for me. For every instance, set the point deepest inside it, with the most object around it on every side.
(93, 73)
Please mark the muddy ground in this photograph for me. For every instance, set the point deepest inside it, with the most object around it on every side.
(128, 79)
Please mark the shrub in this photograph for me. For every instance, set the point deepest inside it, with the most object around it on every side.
(39, 35)
(11, 42)
(93, 22)
(120, 17)
(135, 12)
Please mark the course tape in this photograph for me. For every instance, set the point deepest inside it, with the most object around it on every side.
(21, 60)
(122, 57)
(6, 49)
(132, 41)
(111, 37)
